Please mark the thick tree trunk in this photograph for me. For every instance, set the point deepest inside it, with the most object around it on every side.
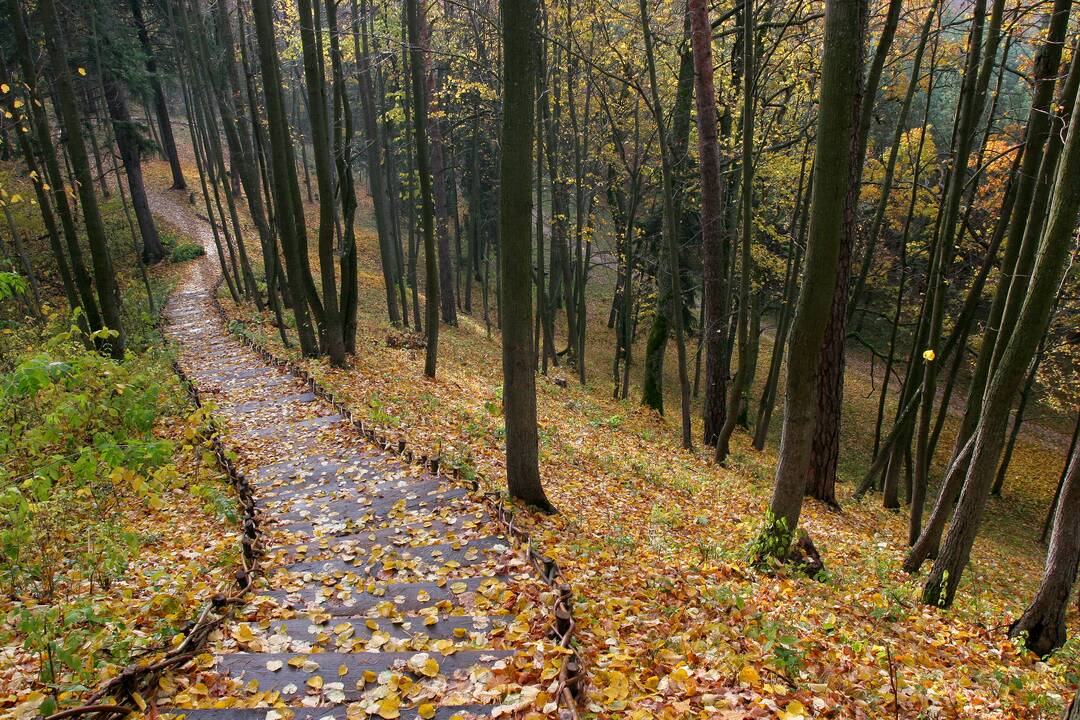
(1044, 619)
(825, 449)
(834, 163)
(515, 221)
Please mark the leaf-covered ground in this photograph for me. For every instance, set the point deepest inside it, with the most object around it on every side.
(673, 622)
(114, 527)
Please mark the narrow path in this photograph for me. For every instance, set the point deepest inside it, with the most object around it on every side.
(384, 591)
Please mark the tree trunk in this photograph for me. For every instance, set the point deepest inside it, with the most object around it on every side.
(713, 240)
(380, 199)
(671, 227)
(515, 220)
(1044, 619)
(283, 175)
(331, 331)
(744, 373)
(825, 450)
(436, 150)
(108, 292)
(1046, 69)
(161, 107)
(423, 170)
(127, 141)
(1031, 323)
(1048, 522)
(668, 299)
(834, 163)
(894, 152)
(1046, 63)
(790, 294)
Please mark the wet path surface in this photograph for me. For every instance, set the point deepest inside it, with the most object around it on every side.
(383, 590)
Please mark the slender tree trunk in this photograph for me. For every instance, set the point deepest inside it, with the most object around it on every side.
(330, 330)
(1018, 421)
(380, 199)
(108, 292)
(1031, 323)
(790, 295)
(161, 107)
(127, 141)
(1046, 67)
(744, 373)
(713, 236)
(436, 150)
(894, 151)
(283, 175)
(1038, 130)
(423, 170)
(671, 227)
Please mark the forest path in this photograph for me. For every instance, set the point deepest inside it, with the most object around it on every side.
(384, 590)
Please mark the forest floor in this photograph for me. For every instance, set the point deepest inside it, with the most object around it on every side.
(115, 527)
(673, 622)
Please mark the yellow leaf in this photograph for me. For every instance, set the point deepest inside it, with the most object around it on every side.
(315, 681)
(426, 711)
(749, 675)
(389, 707)
(82, 71)
(617, 687)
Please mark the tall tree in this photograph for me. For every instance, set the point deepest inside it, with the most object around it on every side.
(423, 170)
(671, 223)
(331, 329)
(108, 291)
(744, 373)
(288, 209)
(1031, 323)
(515, 228)
(834, 160)
(713, 237)
(161, 106)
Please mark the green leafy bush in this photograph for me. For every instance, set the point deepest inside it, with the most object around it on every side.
(186, 251)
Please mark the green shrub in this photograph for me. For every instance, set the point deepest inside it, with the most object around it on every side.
(186, 251)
